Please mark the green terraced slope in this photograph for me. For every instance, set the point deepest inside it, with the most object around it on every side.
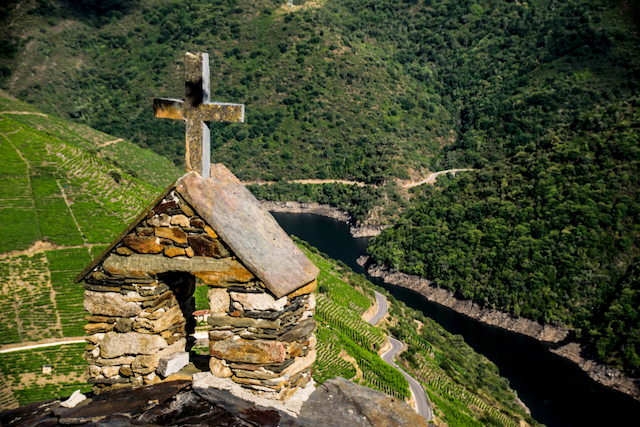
(123, 155)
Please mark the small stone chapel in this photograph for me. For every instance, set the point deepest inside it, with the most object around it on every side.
(205, 226)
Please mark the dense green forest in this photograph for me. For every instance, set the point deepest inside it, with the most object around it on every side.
(550, 234)
(540, 97)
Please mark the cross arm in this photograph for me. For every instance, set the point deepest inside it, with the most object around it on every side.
(168, 108)
(221, 112)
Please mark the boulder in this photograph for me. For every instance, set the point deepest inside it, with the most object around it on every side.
(248, 351)
(258, 302)
(109, 304)
(114, 344)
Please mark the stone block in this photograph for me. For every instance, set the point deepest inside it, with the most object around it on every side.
(145, 364)
(172, 233)
(124, 325)
(114, 344)
(248, 351)
(143, 244)
(110, 371)
(109, 304)
(96, 328)
(172, 363)
(197, 223)
(172, 251)
(118, 361)
(207, 246)
(171, 317)
(218, 368)
(299, 331)
(124, 251)
(301, 363)
(144, 231)
(218, 301)
(220, 335)
(306, 289)
(180, 220)
(243, 322)
(165, 206)
(210, 232)
(258, 302)
(186, 209)
(162, 220)
(211, 270)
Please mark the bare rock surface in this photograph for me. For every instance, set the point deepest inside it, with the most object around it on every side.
(603, 374)
(210, 401)
(339, 402)
(447, 298)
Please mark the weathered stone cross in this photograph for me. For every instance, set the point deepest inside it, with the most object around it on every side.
(196, 111)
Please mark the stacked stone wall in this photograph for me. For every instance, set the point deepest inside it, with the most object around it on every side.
(140, 300)
(266, 345)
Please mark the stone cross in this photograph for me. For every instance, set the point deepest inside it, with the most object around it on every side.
(197, 110)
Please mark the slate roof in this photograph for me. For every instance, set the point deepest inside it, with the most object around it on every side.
(243, 224)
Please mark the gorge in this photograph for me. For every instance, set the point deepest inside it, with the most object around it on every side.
(555, 389)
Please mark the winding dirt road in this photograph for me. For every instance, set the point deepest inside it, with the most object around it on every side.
(430, 179)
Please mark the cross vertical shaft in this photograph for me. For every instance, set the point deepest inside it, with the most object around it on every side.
(197, 110)
(198, 137)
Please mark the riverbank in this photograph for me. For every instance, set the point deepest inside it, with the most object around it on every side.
(356, 230)
(603, 374)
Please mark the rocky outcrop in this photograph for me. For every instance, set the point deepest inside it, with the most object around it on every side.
(357, 230)
(447, 298)
(573, 351)
(598, 372)
(339, 402)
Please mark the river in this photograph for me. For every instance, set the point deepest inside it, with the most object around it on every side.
(558, 393)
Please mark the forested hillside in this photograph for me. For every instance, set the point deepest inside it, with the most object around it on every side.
(540, 97)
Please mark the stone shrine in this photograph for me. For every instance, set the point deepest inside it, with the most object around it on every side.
(139, 291)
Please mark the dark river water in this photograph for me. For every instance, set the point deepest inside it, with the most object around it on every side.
(557, 391)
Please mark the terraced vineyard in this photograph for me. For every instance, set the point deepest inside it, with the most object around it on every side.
(351, 325)
(328, 363)
(438, 382)
(61, 193)
(122, 155)
(22, 374)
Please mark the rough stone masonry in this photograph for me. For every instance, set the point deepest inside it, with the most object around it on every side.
(139, 292)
